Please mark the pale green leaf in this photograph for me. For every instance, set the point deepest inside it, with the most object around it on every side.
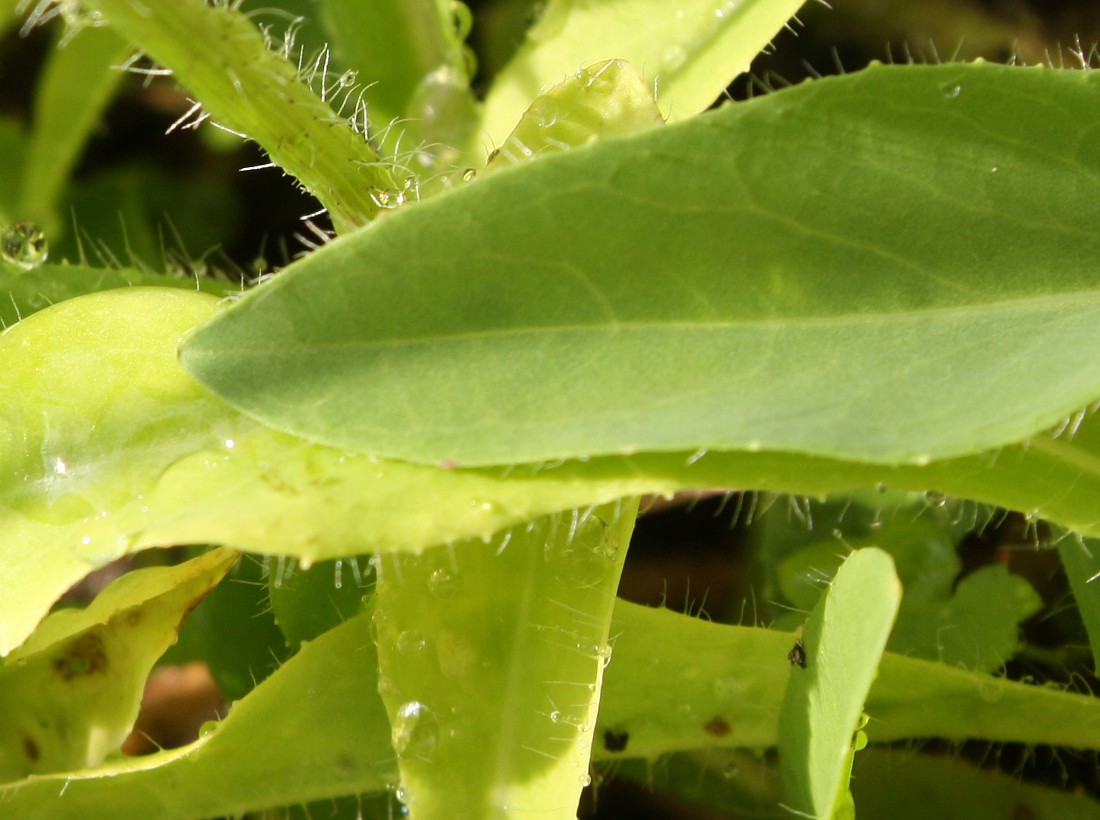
(315, 729)
(13, 144)
(71, 693)
(607, 99)
(832, 669)
(690, 49)
(491, 657)
(775, 302)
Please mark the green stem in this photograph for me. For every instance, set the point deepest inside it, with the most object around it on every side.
(223, 58)
(492, 659)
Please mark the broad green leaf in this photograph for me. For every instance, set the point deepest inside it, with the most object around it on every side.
(315, 729)
(71, 693)
(691, 49)
(677, 683)
(491, 657)
(774, 304)
(832, 670)
(907, 785)
(227, 63)
(74, 90)
(1081, 559)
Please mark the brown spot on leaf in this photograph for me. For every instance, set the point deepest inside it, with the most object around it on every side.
(30, 747)
(84, 655)
(717, 727)
(615, 741)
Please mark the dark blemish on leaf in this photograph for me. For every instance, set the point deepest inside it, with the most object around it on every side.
(615, 741)
(797, 655)
(31, 748)
(347, 762)
(717, 727)
(81, 657)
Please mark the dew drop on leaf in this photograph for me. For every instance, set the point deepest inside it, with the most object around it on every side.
(24, 244)
(443, 584)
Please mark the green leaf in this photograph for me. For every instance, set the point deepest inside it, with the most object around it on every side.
(307, 602)
(13, 145)
(25, 292)
(491, 658)
(833, 667)
(774, 304)
(608, 99)
(906, 785)
(691, 50)
(198, 473)
(71, 693)
(677, 683)
(406, 54)
(315, 729)
(1081, 559)
(225, 61)
(234, 632)
(972, 622)
(76, 86)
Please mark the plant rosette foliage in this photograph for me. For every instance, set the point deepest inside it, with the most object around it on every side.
(434, 430)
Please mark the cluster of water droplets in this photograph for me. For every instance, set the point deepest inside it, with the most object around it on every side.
(23, 244)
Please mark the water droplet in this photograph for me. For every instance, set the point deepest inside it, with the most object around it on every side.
(387, 687)
(410, 642)
(994, 169)
(673, 57)
(348, 78)
(581, 554)
(951, 90)
(469, 174)
(208, 728)
(462, 19)
(730, 771)
(443, 584)
(415, 731)
(544, 111)
(555, 716)
(991, 691)
(24, 244)
(483, 506)
(388, 198)
(585, 779)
